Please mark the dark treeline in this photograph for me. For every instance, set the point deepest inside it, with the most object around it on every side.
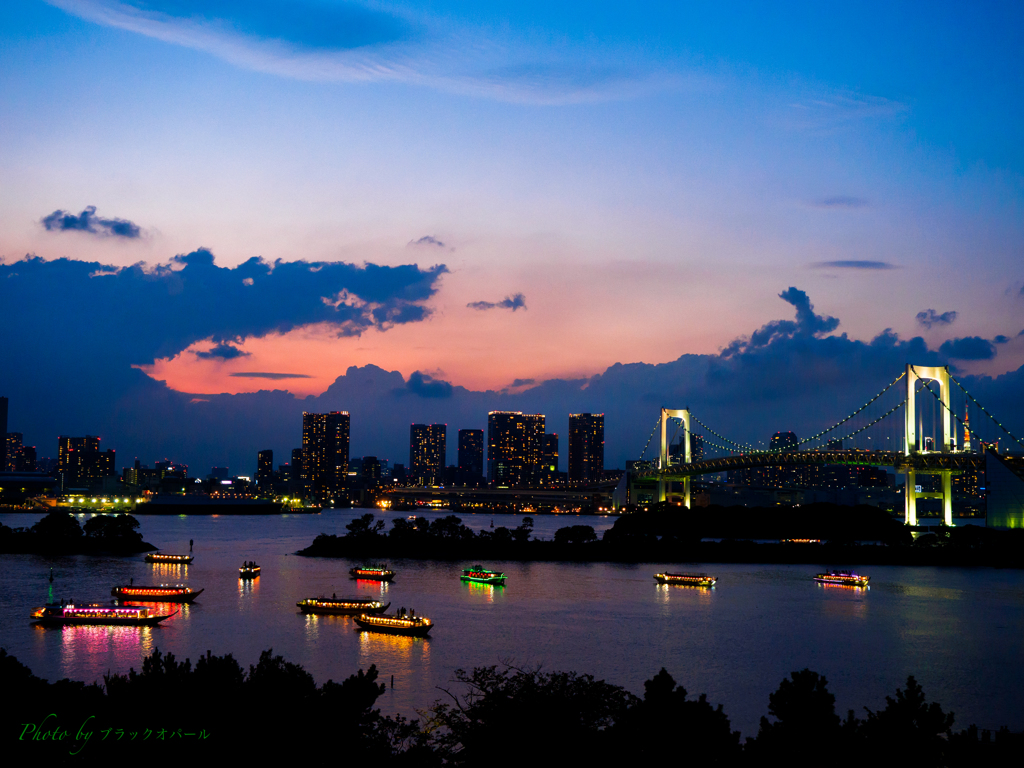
(61, 533)
(865, 535)
(171, 711)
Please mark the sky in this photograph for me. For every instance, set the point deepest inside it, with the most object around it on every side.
(257, 208)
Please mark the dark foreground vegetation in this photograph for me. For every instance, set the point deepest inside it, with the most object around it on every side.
(172, 711)
(60, 533)
(862, 535)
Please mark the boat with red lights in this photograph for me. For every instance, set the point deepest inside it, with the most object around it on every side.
(842, 579)
(686, 579)
(160, 557)
(401, 623)
(249, 571)
(344, 606)
(71, 615)
(164, 593)
(379, 572)
(480, 575)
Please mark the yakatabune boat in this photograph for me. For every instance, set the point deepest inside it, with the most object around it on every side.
(686, 579)
(351, 606)
(160, 557)
(249, 571)
(480, 575)
(57, 615)
(373, 572)
(165, 593)
(843, 578)
(416, 626)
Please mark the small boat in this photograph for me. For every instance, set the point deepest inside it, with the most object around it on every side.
(57, 615)
(686, 579)
(249, 571)
(164, 593)
(160, 557)
(397, 624)
(350, 606)
(379, 572)
(480, 575)
(843, 579)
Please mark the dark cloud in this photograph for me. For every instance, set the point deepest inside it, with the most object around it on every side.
(968, 348)
(426, 386)
(930, 317)
(841, 201)
(853, 264)
(222, 352)
(88, 221)
(1000, 339)
(521, 383)
(513, 302)
(807, 323)
(427, 240)
(273, 376)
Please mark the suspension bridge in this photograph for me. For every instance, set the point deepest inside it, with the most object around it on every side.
(879, 422)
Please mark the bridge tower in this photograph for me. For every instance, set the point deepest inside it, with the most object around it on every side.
(938, 374)
(665, 492)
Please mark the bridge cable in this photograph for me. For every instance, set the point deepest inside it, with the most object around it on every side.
(927, 385)
(840, 423)
(650, 437)
(746, 448)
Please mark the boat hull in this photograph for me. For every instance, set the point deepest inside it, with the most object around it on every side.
(843, 582)
(57, 621)
(372, 575)
(181, 597)
(169, 559)
(248, 573)
(495, 580)
(706, 583)
(341, 611)
(421, 630)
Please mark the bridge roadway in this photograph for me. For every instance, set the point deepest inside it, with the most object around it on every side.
(921, 462)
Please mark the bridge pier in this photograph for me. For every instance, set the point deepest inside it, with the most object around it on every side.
(665, 492)
(911, 495)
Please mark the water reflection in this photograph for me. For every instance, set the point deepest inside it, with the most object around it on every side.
(90, 642)
(388, 651)
(486, 591)
(694, 592)
(250, 587)
(314, 622)
(169, 570)
(373, 585)
(842, 587)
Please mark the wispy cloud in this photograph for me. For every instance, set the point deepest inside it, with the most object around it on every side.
(853, 264)
(930, 317)
(265, 375)
(427, 240)
(513, 302)
(88, 221)
(841, 201)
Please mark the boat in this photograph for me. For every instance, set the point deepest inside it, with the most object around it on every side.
(164, 593)
(686, 579)
(160, 557)
(379, 572)
(249, 571)
(348, 606)
(396, 624)
(57, 615)
(842, 578)
(480, 575)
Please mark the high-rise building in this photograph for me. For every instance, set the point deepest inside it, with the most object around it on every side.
(371, 471)
(81, 462)
(471, 452)
(3, 431)
(427, 450)
(533, 448)
(265, 469)
(549, 458)
(777, 477)
(506, 448)
(297, 481)
(13, 452)
(27, 460)
(325, 439)
(586, 447)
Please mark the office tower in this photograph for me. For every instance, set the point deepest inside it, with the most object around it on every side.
(298, 481)
(325, 453)
(371, 471)
(81, 462)
(471, 452)
(27, 459)
(586, 447)
(427, 450)
(13, 454)
(549, 458)
(3, 431)
(265, 469)
(399, 475)
(696, 447)
(777, 477)
(533, 447)
(506, 447)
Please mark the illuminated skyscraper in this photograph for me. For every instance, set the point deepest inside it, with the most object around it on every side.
(81, 462)
(549, 458)
(533, 448)
(325, 439)
(265, 469)
(471, 452)
(777, 477)
(14, 447)
(506, 447)
(427, 451)
(586, 447)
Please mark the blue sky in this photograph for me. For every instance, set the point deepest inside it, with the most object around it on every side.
(648, 179)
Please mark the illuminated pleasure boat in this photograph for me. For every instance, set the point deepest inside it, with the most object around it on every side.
(398, 624)
(379, 572)
(57, 615)
(480, 575)
(686, 579)
(165, 593)
(249, 571)
(160, 557)
(350, 606)
(843, 579)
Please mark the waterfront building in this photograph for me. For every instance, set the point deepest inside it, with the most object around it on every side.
(586, 447)
(533, 448)
(506, 447)
(265, 469)
(80, 461)
(427, 450)
(325, 446)
(13, 452)
(471, 452)
(549, 459)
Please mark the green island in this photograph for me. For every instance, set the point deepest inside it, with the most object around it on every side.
(815, 533)
(60, 533)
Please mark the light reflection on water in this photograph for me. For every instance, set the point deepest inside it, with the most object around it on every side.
(960, 631)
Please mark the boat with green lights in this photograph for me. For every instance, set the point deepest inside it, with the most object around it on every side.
(686, 579)
(379, 572)
(480, 575)
(92, 614)
(344, 606)
(401, 623)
